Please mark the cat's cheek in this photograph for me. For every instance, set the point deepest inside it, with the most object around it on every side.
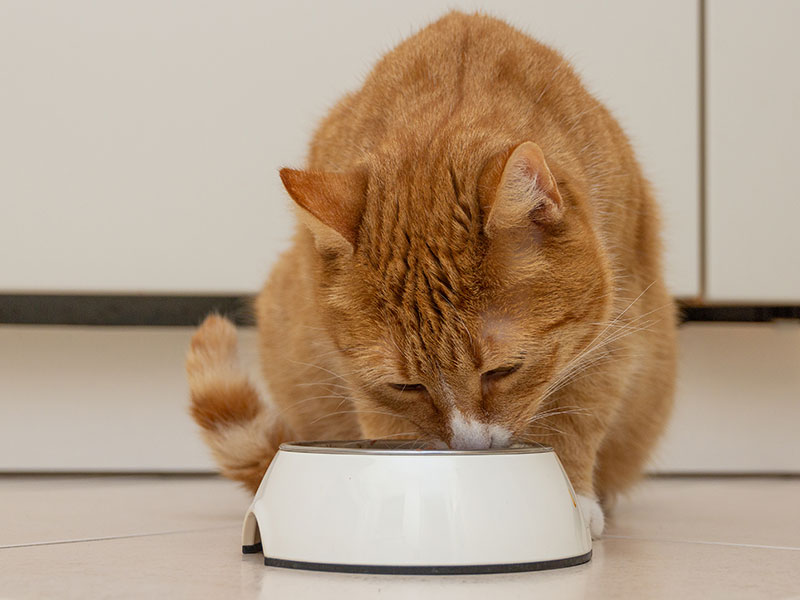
(592, 514)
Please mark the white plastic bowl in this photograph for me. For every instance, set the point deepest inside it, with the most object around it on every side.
(388, 507)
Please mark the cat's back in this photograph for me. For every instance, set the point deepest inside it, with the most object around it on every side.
(471, 68)
(461, 54)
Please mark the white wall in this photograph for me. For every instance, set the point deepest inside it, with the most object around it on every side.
(738, 400)
(115, 399)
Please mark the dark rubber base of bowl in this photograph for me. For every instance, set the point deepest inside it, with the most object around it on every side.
(425, 570)
(252, 548)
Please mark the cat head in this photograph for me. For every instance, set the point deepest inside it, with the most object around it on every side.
(457, 288)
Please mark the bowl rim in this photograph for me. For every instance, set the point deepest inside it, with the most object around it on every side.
(385, 447)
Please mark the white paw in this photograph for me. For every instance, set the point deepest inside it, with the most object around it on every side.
(592, 514)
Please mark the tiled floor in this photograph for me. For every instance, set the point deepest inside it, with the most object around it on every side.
(179, 538)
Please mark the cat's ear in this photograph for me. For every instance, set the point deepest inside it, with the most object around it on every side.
(526, 193)
(332, 204)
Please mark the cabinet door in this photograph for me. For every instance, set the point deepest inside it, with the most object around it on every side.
(141, 139)
(753, 141)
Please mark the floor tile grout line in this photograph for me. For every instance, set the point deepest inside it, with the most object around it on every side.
(113, 537)
(703, 542)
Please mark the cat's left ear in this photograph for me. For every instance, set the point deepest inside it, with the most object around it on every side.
(526, 194)
(332, 205)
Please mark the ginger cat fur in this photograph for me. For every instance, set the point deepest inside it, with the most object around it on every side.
(477, 264)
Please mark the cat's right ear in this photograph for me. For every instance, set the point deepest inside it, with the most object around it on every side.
(331, 204)
(522, 192)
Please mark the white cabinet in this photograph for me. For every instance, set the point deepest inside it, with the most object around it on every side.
(141, 140)
(753, 144)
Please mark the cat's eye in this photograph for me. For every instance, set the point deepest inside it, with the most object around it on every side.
(407, 387)
(501, 371)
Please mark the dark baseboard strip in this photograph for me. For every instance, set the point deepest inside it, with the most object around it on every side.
(121, 311)
(214, 475)
(719, 475)
(738, 314)
(188, 311)
(109, 474)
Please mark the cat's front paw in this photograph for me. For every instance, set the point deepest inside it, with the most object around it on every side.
(592, 514)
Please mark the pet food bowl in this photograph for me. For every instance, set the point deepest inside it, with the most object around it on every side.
(396, 507)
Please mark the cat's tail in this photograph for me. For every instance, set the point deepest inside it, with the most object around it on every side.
(241, 431)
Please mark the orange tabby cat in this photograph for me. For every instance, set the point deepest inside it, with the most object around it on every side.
(478, 264)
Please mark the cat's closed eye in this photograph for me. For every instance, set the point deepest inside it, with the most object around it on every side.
(501, 372)
(407, 387)
(492, 375)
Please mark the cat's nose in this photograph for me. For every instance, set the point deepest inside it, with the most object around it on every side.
(469, 434)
